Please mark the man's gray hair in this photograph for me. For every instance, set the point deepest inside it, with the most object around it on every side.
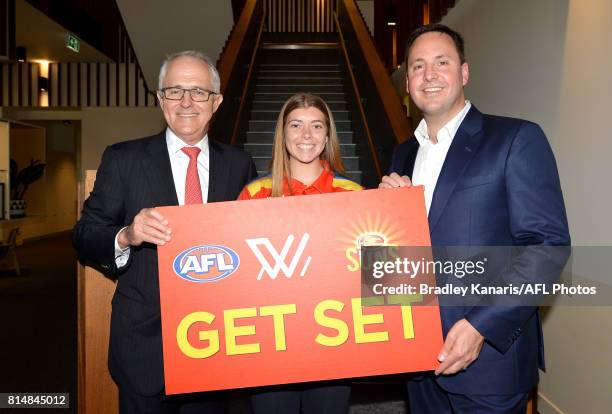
(214, 74)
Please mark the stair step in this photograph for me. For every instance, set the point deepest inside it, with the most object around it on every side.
(258, 149)
(292, 53)
(299, 67)
(257, 115)
(277, 105)
(283, 73)
(303, 80)
(352, 175)
(269, 126)
(294, 87)
(265, 149)
(263, 163)
(283, 96)
(348, 149)
(351, 163)
(384, 406)
(253, 137)
(300, 73)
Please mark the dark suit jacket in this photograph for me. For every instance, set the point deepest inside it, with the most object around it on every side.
(134, 175)
(498, 186)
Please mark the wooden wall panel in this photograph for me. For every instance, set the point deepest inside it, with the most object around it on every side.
(73, 87)
(74, 84)
(97, 391)
(32, 91)
(300, 15)
(112, 81)
(14, 86)
(122, 81)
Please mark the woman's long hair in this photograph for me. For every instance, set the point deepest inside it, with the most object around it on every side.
(281, 167)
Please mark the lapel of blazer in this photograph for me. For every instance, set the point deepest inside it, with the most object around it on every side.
(218, 172)
(413, 148)
(462, 150)
(158, 171)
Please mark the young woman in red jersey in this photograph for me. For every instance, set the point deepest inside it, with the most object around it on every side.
(306, 154)
(305, 160)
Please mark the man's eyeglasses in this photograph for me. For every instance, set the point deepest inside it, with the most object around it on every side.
(176, 94)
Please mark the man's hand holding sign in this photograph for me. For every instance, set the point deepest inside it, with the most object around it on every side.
(463, 342)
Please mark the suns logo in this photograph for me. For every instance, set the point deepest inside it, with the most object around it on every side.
(207, 263)
(370, 229)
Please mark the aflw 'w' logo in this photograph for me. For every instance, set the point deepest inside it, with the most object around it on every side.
(279, 258)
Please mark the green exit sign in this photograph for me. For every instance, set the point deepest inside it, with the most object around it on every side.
(73, 43)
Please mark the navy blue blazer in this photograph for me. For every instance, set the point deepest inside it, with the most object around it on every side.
(498, 186)
(134, 175)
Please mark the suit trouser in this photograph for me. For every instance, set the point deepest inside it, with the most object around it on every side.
(313, 399)
(132, 403)
(425, 396)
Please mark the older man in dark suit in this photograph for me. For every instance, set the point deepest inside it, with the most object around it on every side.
(489, 181)
(120, 229)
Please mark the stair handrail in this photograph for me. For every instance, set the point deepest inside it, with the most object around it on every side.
(235, 64)
(247, 81)
(390, 99)
(371, 145)
(228, 58)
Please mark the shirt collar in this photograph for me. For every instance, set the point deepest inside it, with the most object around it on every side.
(175, 144)
(447, 132)
(321, 184)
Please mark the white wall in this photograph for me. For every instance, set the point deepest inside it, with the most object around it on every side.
(93, 130)
(367, 10)
(549, 61)
(52, 201)
(159, 27)
(61, 150)
(26, 144)
(102, 127)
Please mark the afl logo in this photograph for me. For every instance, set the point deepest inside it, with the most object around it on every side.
(207, 263)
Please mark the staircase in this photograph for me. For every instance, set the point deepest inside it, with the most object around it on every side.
(287, 69)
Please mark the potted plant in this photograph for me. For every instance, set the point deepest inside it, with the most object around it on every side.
(20, 182)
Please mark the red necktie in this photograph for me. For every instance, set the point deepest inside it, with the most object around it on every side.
(193, 191)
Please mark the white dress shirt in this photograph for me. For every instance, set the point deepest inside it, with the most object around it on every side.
(179, 161)
(430, 157)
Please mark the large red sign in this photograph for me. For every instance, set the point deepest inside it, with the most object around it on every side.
(268, 291)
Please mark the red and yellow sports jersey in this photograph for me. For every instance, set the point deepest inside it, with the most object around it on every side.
(328, 182)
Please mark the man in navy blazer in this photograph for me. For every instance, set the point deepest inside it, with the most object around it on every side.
(120, 229)
(489, 181)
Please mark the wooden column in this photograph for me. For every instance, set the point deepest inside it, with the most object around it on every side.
(97, 391)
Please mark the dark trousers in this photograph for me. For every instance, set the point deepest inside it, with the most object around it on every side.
(210, 403)
(312, 399)
(425, 396)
